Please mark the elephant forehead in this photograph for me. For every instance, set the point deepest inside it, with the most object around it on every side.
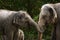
(26, 14)
(22, 11)
(5, 13)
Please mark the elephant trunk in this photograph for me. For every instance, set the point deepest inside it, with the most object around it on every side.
(33, 23)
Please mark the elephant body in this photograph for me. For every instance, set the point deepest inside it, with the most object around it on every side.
(6, 25)
(12, 21)
(50, 13)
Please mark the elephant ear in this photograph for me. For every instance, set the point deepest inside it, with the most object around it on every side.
(53, 13)
(15, 18)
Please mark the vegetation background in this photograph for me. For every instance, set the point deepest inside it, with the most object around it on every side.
(33, 8)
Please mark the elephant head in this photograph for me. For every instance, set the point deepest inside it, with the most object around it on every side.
(23, 19)
(47, 15)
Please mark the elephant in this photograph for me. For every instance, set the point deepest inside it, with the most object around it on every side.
(11, 21)
(50, 14)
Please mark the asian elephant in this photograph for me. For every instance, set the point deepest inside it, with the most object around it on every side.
(11, 21)
(50, 13)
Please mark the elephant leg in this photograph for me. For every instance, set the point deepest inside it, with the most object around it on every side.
(3, 37)
(9, 35)
(15, 37)
(40, 35)
(53, 34)
(19, 35)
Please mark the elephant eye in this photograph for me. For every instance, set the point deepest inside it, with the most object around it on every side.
(26, 18)
(44, 17)
(21, 16)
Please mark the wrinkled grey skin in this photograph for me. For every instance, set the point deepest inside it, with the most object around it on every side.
(50, 13)
(11, 21)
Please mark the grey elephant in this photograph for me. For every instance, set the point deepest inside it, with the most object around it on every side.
(11, 21)
(50, 13)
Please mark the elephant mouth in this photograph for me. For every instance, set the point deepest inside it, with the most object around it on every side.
(22, 24)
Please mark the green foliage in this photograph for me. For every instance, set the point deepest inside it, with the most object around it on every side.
(33, 8)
